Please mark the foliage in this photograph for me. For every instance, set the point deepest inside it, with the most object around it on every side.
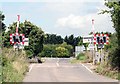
(85, 45)
(68, 47)
(89, 56)
(14, 65)
(2, 17)
(80, 42)
(71, 40)
(2, 30)
(53, 39)
(31, 31)
(112, 43)
(48, 51)
(102, 70)
(114, 10)
(36, 41)
(114, 58)
(62, 52)
(81, 56)
(0, 68)
(58, 50)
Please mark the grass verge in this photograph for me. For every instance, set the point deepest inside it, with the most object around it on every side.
(105, 70)
(0, 70)
(80, 58)
(14, 65)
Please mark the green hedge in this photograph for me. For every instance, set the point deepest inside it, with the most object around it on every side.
(61, 50)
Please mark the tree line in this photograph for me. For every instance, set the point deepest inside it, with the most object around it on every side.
(37, 37)
(114, 11)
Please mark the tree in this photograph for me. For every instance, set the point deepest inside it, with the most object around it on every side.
(36, 38)
(114, 10)
(114, 7)
(56, 50)
(2, 17)
(31, 31)
(48, 51)
(71, 40)
(85, 45)
(2, 29)
(53, 39)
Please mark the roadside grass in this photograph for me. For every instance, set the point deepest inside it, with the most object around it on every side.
(75, 61)
(80, 58)
(15, 65)
(105, 70)
(119, 75)
(0, 71)
(101, 69)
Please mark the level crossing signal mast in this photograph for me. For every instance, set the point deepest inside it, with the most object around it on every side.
(17, 39)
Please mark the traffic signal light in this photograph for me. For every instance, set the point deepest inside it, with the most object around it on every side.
(104, 39)
(17, 38)
(101, 39)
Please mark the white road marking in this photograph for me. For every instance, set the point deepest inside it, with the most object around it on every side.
(57, 64)
(31, 67)
(87, 68)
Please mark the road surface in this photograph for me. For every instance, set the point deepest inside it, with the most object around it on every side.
(61, 70)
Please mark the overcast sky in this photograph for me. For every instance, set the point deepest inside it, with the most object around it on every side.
(62, 17)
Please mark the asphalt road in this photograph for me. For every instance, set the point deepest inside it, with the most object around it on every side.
(61, 70)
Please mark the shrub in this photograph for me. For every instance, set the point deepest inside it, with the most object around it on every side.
(48, 51)
(62, 52)
(114, 58)
(81, 56)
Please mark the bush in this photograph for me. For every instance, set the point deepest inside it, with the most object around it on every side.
(61, 50)
(81, 56)
(103, 69)
(48, 51)
(114, 52)
(89, 56)
(114, 58)
(68, 47)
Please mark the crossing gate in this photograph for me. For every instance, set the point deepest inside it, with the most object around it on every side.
(101, 39)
